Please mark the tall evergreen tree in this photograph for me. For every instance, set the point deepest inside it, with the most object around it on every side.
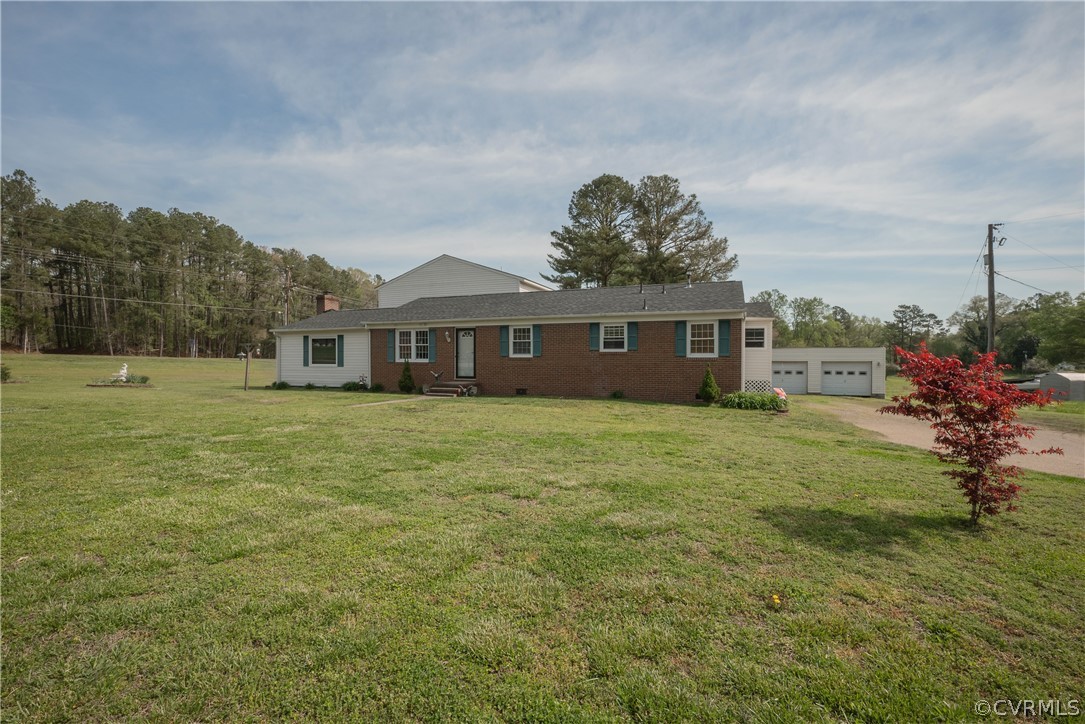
(594, 248)
(672, 237)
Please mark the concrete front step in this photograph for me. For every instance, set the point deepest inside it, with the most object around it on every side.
(449, 389)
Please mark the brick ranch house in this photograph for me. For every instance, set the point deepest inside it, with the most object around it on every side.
(459, 323)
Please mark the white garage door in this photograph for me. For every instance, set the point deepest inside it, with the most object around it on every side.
(790, 377)
(845, 378)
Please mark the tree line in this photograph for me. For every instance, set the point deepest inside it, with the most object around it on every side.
(1032, 334)
(89, 278)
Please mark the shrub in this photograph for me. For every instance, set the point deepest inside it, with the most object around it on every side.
(5, 373)
(710, 391)
(280, 385)
(310, 386)
(377, 387)
(753, 401)
(406, 380)
(617, 394)
(138, 379)
(973, 414)
(353, 386)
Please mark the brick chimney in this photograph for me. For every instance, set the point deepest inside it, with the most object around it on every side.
(327, 302)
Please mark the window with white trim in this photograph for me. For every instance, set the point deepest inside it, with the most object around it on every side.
(614, 336)
(413, 345)
(521, 342)
(322, 351)
(755, 336)
(702, 339)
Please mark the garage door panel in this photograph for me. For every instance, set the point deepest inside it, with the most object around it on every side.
(846, 378)
(790, 377)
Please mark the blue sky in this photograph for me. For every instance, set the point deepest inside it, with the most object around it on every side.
(854, 152)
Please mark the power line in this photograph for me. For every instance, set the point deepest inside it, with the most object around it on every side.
(127, 300)
(1046, 268)
(974, 266)
(1044, 218)
(1060, 261)
(1000, 274)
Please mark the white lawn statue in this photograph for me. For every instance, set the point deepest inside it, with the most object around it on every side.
(123, 374)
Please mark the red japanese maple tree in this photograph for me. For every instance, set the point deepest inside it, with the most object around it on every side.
(973, 413)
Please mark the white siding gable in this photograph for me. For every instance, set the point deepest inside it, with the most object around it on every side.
(447, 276)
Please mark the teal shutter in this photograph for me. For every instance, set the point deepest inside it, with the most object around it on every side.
(339, 350)
(680, 339)
(305, 351)
(593, 336)
(631, 336)
(503, 341)
(433, 345)
(724, 344)
(536, 340)
(391, 345)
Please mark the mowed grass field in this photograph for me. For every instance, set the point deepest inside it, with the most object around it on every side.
(197, 552)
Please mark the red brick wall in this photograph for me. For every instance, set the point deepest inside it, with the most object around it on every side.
(568, 369)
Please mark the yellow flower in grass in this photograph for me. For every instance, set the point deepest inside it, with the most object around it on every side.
(775, 600)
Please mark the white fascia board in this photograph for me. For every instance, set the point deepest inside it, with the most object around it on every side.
(339, 330)
(567, 319)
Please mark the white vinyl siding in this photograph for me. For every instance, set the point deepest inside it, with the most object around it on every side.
(289, 359)
(446, 276)
(757, 361)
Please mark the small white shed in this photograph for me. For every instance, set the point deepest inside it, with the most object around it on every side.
(1067, 385)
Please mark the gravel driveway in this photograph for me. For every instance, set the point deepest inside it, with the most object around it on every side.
(906, 431)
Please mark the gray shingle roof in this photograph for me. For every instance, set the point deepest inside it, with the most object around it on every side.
(598, 302)
(759, 309)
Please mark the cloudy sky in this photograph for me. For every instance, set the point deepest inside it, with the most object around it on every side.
(854, 152)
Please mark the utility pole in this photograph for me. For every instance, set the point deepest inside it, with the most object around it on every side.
(286, 308)
(991, 284)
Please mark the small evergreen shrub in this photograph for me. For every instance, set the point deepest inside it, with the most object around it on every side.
(310, 386)
(617, 394)
(5, 373)
(377, 387)
(710, 391)
(753, 401)
(406, 380)
(280, 385)
(353, 386)
(138, 379)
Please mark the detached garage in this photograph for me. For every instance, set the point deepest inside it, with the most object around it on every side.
(850, 371)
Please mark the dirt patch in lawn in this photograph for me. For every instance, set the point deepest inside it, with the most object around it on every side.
(906, 431)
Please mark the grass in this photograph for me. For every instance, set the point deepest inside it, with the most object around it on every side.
(196, 552)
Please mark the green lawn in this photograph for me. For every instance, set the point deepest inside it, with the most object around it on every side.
(196, 552)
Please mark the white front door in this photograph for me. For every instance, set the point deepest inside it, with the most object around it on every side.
(465, 354)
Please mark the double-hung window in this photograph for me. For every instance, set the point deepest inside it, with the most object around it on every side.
(702, 339)
(323, 351)
(521, 341)
(412, 345)
(614, 338)
(755, 336)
